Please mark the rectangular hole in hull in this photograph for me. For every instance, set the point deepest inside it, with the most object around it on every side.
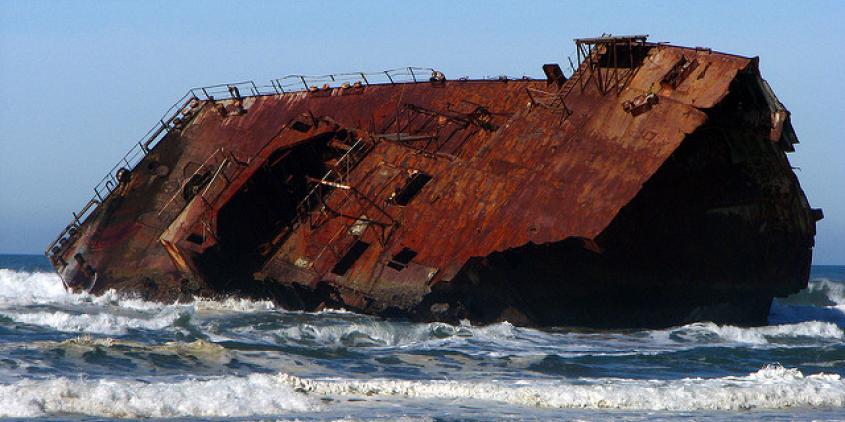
(344, 264)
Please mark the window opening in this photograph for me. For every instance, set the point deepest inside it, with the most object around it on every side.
(358, 248)
(195, 238)
(412, 188)
(402, 259)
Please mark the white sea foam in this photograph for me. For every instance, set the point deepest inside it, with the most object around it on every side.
(772, 387)
(231, 305)
(18, 288)
(370, 332)
(24, 297)
(710, 332)
(504, 339)
(835, 291)
(110, 313)
(216, 397)
(95, 323)
(806, 306)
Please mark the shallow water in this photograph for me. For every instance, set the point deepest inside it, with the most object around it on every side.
(80, 357)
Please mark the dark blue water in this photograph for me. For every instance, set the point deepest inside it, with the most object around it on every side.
(72, 357)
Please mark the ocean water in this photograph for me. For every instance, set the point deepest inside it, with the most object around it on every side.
(79, 357)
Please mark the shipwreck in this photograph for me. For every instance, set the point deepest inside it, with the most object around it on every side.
(648, 185)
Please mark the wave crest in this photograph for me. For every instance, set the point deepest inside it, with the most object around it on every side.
(40, 299)
(772, 387)
(218, 397)
(711, 332)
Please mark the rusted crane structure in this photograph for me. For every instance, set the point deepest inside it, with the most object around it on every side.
(650, 187)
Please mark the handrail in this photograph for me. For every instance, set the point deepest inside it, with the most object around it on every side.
(297, 83)
(557, 100)
(185, 182)
(227, 91)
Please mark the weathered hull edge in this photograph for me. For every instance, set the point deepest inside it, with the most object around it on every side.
(686, 210)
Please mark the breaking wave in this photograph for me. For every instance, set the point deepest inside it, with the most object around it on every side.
(95, 323)
(822, 300)
(219, 397)
(20, 288)
(372, 332)
(821, 292)
(772, 387)
(708, 332)
(39, 299)
(118, 356)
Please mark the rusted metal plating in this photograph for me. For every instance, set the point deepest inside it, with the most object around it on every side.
(443, 199)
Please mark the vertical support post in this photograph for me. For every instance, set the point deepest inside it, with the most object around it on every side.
(530, 97)
(597, 68)
(412, 74)
(616, 65)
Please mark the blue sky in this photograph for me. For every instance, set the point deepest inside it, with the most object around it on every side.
(81, 81)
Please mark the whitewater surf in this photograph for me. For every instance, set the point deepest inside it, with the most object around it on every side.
(76, 356)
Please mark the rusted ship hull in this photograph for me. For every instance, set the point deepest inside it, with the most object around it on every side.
(650, 188)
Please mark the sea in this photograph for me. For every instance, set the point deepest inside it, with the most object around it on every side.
(79, 357)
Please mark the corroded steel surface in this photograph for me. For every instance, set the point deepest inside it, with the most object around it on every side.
(416, 199)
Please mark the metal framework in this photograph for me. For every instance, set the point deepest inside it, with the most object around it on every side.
(608, 75)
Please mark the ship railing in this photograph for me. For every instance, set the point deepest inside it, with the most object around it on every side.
(148, 142)
(227, 91)
(214, 160)
(208, 196)
(233, 90)
(110, 182)
(297, 83)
